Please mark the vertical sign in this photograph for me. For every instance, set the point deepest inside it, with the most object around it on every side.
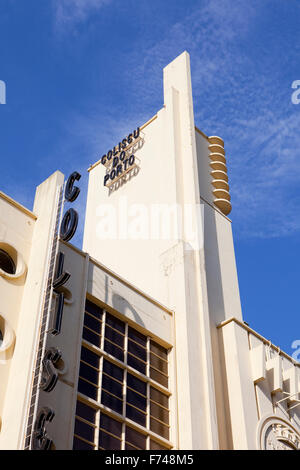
(46, 371)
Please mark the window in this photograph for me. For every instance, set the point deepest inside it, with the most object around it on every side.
(6, 262)
(123, 396)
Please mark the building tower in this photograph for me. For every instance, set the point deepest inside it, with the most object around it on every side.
(138, 341)
(182, 177)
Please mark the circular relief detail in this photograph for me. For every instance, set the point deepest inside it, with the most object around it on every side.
(275, 433)
(12, 265)
(7, 340)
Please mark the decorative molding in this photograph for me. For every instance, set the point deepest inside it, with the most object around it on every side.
(8, 340)
(17, 205)
(21, 268)
(275, 433)
(219, 174)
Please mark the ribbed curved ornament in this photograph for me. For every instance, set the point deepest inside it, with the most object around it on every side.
(220, 184)
(221, 194)
(217, 157)
(218, 166)
(219, 175)
(223, 205)
(214, 148)
(220, 189)
(214, 139)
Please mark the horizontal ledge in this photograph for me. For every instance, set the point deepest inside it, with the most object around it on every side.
(218, 166)
(220, 184)
(221, 194)
(17, 205)
(259, 336)
(219, 175)
(215, 148)
(214, 139)
(201, 133)
(141, 128)
(217, 157)
(223, 205)
(215, 208)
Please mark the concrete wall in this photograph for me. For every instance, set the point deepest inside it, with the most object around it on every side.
(263, 390)
(16, 231)
(170, 270)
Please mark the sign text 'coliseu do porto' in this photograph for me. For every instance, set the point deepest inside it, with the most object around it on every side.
(117, 161)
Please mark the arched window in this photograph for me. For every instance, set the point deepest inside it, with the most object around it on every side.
(6, 262)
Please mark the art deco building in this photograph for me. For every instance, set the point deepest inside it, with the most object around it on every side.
(137, 341)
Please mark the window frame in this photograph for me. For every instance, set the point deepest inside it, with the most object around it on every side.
(149, 382)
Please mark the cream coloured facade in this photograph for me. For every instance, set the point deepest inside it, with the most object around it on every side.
(138, 340)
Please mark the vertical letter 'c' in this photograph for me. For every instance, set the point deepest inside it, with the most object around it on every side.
(71, 191)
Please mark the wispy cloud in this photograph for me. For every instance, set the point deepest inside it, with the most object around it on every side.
(72, 12)
(241, 98)
(237, 95)
(86, 136)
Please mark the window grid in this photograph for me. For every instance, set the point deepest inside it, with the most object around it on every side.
(148, 389)
(101, 357)
(101, 410)
(123, 445)
(125, 401)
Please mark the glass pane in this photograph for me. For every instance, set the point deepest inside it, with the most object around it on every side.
(114, 350)
(159, 350)
(159, 363)
(136, 336)
(156, 446)
(111, 425)
(159, 397)
(137, 350)
(91, 337)
(158, 377)
(78, 444)
(136, 415)
(115, 323)
(91, 358)
(6, 262)
(135, 438)
(84, 430)
(85, 411)
(92, 323)
(158, 412)
(108, 442)
(93, 309)
(112, 386)
(136, 364)
(159, 428)
(87, 389)
(88, 373)
(112, 370)
(137, 400)
(136, 384)
(111, 402)
(114, 336)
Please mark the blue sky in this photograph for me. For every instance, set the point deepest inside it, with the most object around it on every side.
(81, 73)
